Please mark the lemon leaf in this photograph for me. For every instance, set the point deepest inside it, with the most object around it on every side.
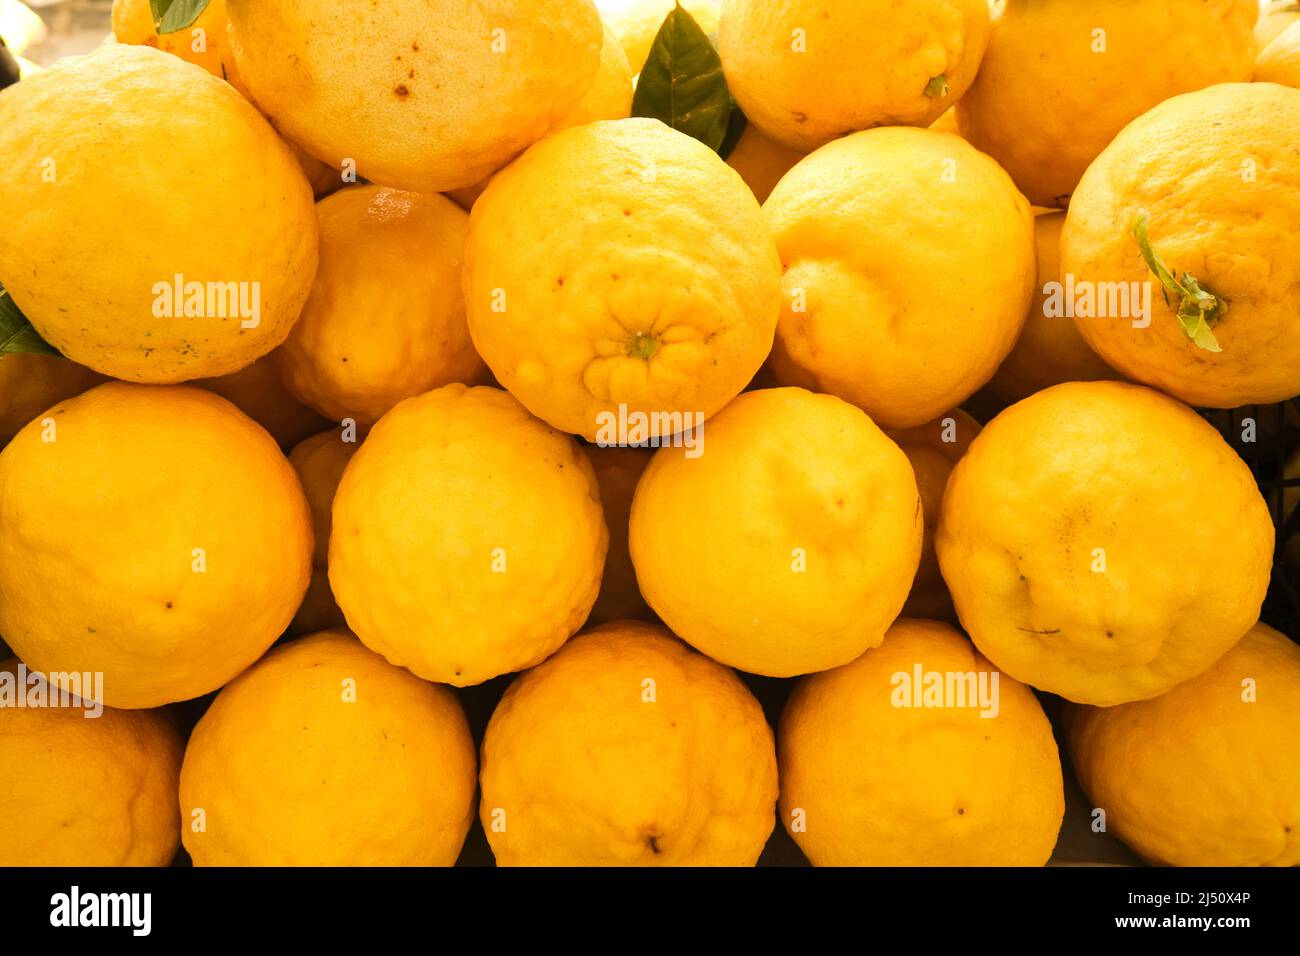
(169, 16)
(16, 333)
(682, 85)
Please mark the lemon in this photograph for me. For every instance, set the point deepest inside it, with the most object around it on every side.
(320, 462)
(628, 749)
(424, 97)
(810, 71)
(468, 538)
(114, 211)
(1279, 62)
(1222, 207)
(92, 791)
(636, 23)
(621, 266)
(1209, 773)
(153, 534)
(881, 307)
(618, 470)
(324, 755)
(204, 43)
(761, 161)
(878, 772)
(1274, 19)
(375, 330)
(790, 544)
(1060, 79)
(1102, 542)
(31, 383)
(258, 391)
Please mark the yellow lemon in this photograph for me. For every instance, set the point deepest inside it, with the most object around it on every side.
(468, 537)
(1102, 542)
(324, 755)
(618, 470)
(1209, 773)
(1050, 349)
(809, 71)
(933, 450)
(1279, 62)
(30, 383)
(636, 23)
(628, 749)
(790, 544)
(258, 391)
(609, 98)
(919, 753)
(436, 96)
(761, 161)
(102, 255)
(1218, 211)
(1060, 79)
(204, 43)
(156, 535)
(375, 329)
(1274, 19)
(881, 307)
(87, 791)
(320, 461)
(621, 264)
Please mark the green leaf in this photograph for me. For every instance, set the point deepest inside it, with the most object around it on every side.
(1199, 309)
(16, 333)
(937, 88)
(682, 85)
(171, 16)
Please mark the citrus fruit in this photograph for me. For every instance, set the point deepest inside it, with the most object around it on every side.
(621, 263)
(636, 23)
(1050, 350)
(322, 754)
(881, 307)
(627, 748)
(1209, 773)
(258, 391)
(439, 95)
(617, 472)
(761, 161)
(320, 461)
(1275, 18)
(191, 290)
(204, 43)
(375, 330)
(933, 450)
(1279, 62)
(878, 768)
(30, 383)
(1102, 542)
(468, 538)
(1218, 213)
(790, 544)
(1060, 79)
(809, 71)
(156, 535)
(92, 791)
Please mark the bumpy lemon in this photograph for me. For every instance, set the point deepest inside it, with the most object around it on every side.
(1060, 79)
(628, 749)
(1222, 207)
(1279, 62)
(468, 537)
(324, 755)
(425, 97)
(29, 384)
(609, 98)
(621, 264)
(156, 535)
(1101, 541)
(636, 23)
(879, 769)
(618, 470)
(761, 161)
(808, 72)
(258, 391)
(89, 158)
(881, 307)
(1050, 349)
(376, 329)
(320, 461)
(933, 450)
(1274, 19)
(204, 43)
(790, 544)
(88, 791)
(1209, 773)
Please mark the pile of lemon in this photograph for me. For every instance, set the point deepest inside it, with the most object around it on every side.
(569, 394)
